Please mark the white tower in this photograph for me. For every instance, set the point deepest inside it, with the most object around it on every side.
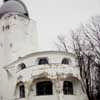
(18, 34)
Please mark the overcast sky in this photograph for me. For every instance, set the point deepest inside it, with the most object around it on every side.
(59, 16)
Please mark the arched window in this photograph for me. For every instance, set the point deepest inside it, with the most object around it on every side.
(21, 90)
(44, 88)
(65, 61)
(68, 87)
(43, 61)
(22, 66)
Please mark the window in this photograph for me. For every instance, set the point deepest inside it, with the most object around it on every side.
(22, 66)
(65, 61)
(68, 87)
(21, 90)
(44, 88)
(43, 61)
(26, 14)
(6, 0)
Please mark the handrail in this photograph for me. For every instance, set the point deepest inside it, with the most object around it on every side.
(51, 65)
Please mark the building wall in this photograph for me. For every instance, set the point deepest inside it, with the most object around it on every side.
(54, 71)
(18, 41)
(18, 37)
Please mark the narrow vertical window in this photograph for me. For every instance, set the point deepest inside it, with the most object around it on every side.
(22, 91)
(68, 87)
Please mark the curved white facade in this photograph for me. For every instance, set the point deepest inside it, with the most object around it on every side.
(53, 71)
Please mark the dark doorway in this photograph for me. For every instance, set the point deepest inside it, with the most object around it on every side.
(68, 87)
(44, 88)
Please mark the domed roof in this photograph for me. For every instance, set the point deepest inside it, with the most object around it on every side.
(13, 6)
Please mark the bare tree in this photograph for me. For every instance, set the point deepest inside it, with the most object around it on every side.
(61, 43)
(86, 42)
(86, 46)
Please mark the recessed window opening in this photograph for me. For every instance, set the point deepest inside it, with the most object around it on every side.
(22, 91)
(44, 88)
(65, 61)
(26, 14)
(43, 61)
(22, 66)
(6, 0)
(68, 87)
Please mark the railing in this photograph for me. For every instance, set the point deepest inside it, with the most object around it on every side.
(59, 97)
(7, 98)
(51, 69)
(53, 65)
(50, 97)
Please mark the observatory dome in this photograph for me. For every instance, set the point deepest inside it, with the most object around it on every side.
(15, 6)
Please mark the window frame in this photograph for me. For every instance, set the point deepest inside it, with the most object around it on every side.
(65, 61)
(46, 59)
(20, 67)
(45, 92)
(21, 90)
(68, 90)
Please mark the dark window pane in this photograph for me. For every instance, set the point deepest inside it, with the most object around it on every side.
(68, 87)
(6, 0)
(44, 88)
(65, 61)
(22, 91)
(22, 66)
(43, 61)
(26, 14)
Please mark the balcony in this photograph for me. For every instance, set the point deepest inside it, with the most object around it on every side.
(50, 69)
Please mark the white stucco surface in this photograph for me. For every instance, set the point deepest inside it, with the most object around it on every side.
(54, 71)
(19, 40)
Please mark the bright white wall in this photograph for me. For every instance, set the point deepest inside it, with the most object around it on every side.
(20, 39)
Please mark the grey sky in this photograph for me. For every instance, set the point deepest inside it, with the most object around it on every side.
(59, 16)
